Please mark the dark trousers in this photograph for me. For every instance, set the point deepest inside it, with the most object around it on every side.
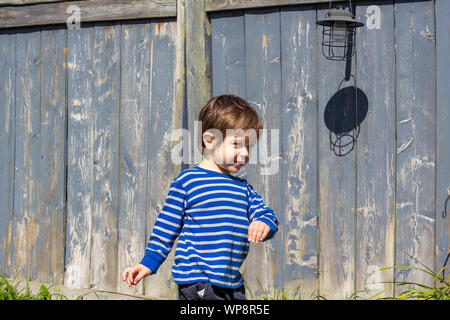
(207, 291)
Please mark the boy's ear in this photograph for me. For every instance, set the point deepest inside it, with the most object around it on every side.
(208, 140)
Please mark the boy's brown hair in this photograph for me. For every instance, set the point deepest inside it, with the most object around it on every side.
(226, 111)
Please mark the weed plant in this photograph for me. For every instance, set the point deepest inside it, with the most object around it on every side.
(10, 291)
(410, 290)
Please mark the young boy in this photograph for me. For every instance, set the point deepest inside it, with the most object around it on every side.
(213, 213)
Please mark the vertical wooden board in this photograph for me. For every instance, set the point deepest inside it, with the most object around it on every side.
(27, 156)
(198, 69)
(106, 97)
(164, 118)
(415, 92)
(263, 83)
(7, 137)
(180, 80)
(443, 132)
(376, 152)
(336, 187)
(80, 156)
(228, 53)
(134, 135)
(53, 142)
(299, 139)
(300, 136)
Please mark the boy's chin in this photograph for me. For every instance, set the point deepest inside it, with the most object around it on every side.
(232, 168)
(235, 167)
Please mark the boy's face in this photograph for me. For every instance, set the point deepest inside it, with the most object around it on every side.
(233, 153)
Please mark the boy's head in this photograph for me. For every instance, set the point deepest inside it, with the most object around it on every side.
(230, 126)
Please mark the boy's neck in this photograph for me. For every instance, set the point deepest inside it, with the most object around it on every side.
(210, 165)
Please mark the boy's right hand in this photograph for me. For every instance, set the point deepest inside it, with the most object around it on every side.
(134, 274)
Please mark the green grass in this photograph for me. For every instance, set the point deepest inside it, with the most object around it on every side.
(10, 291)
(409, 290)
(276, 294)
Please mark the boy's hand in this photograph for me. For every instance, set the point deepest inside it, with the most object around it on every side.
(134, 274)
(257, 231)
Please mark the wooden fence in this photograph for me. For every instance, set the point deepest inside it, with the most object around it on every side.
(86, 145)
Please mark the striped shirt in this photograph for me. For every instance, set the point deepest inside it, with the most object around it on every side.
(210, 213)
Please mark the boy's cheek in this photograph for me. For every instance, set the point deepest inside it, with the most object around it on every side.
(228, 156)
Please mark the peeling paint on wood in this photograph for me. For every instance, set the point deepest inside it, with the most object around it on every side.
(376, 156)
(263, 83)
(228, 53)
(80, 157)
(25, 226)
(134, 130)
(336, 192)
(443, 132)
(299, 136)
(90, 11)
(198, 64)
(53, 144)
(25, 2)
(106, 139)
(7, 138)
(220, 5)
(164, 119)
(415, 83)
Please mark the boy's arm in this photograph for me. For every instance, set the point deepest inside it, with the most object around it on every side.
(258, 211)
(166, 229)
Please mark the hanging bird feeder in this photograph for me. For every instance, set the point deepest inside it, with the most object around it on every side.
(338, 34)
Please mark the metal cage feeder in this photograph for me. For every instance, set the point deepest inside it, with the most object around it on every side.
(338, 34)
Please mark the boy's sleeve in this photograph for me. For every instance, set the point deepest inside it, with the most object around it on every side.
(166, 229)
(258, 211)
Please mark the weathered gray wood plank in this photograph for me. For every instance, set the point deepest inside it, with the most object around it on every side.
(198, 68)
(28, 154)
(263, 83)
(28, 2)
(299, 138)
(134, 135)
(90, 10)
(180, 98)
(443, 132)
(416, 141)
(7, 138)
(53, 142)
(180, 101)
(164, 117)
(228, 53)
(336, 189)
(376, 153)
(80, 157)
(106, 139)
(222, 5)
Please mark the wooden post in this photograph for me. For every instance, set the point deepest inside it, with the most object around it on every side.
(442, 132)
(180, 70)
(198, 75)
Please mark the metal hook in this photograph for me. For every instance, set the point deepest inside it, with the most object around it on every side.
(444, 213)
(350, 7)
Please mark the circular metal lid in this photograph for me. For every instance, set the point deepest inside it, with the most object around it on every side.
(340, 15)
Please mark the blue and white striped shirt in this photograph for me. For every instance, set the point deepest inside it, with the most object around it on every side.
(210, 213)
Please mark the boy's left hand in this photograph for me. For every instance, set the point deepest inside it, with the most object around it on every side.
(257, 231)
